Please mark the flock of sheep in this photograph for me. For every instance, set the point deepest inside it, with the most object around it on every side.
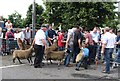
(51, 53)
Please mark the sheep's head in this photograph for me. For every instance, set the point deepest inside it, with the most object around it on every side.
(47, 50)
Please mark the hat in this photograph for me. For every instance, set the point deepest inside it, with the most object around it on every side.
(43, 26)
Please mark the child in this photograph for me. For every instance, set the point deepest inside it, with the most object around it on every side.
(83, 58)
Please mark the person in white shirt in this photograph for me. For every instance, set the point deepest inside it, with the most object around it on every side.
(21, 39)
(114, 40)
(22, 35)
(27, 35)
(39, 44)
(16, 35)
(107, 48)
(8, 24)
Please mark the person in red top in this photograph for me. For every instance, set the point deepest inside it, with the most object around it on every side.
(9, 35)
(61, 42)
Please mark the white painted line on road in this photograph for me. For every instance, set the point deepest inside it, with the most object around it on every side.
(3, 67)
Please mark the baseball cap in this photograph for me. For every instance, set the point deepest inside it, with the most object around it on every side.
(43, 26)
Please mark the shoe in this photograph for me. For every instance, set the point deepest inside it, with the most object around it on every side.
(37, 67)
(105, 72)
(69, 65)
(77, 69)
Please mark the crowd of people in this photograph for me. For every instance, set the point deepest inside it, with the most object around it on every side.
(12, 35)
(93, 44)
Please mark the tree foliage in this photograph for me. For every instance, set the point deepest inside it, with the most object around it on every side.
(15, 19)
(39, 11)
(87, 14)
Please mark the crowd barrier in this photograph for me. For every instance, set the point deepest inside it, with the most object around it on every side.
(8, 45)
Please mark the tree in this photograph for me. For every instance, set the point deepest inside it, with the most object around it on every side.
(88, 14)
(15, 19)
(39, 19)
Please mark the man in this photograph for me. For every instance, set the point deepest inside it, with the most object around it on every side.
(21, 39)
(28, 35)
(95, 38)
(114, 38)
(107, 48)
(69, 46)
(61, 42)
(8, 24)
(89, 41)
(76, 43)
(39, 43)
(51, 35)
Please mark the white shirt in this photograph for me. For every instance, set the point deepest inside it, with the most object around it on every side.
(95, 36)
(16, 35)
(21, 35)
(8, 25)
(28, 34)
(109, 40)
(40, 35)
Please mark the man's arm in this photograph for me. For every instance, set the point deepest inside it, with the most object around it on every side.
(103, 48)
(79, 40)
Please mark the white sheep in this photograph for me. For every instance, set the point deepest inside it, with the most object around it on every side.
(23, 54)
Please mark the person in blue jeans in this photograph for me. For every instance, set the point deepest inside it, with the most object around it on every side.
(68, 57)
(83, 58)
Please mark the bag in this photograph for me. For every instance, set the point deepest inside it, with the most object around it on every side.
(79, 56)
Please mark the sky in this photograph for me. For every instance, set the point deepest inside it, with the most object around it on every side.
(7, 7)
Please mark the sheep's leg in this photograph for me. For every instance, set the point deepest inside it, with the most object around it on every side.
(19, 60)
(51, 62)
(31, 59)
(28, 60)
(59, 63)
(47, 62)
(13, 60)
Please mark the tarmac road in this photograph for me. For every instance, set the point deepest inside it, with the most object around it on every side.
(52, 71)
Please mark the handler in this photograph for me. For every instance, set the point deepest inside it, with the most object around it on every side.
(39, 43)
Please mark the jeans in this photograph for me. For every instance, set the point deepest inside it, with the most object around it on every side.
(117, 58)
(99, 52)
(82, 60)
(107, 54)
(68, 57)
(60, 48)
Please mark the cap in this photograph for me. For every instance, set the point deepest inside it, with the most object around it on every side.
(43, 26)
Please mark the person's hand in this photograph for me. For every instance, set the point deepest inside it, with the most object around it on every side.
(102, 52)
(80, 47)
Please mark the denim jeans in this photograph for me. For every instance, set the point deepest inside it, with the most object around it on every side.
(99, 52)
(68, 57)
(107, 54)
(82, 60)
(60, 48)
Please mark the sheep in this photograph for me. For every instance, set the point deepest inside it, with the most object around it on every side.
(54, 46)
(23, 54)
(54, 55)
(21, 46)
